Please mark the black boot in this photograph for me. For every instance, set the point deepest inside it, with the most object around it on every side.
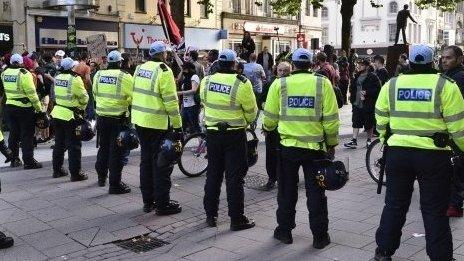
(171, 208)
(60, 173)
(5, 242)
(34, 164)
(101, 180)
(147, 208)
(283, 236)
(79, 177)
(16, 162)
(121, 189)
(381, 255)
(211, 221)
(241, 224)
(321, 242)
(6, 152)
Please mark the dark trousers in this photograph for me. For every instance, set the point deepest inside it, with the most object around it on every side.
(316, 201)
(65, 138)
(21, 122)
(343, 85)
(155, 181)
(272, 154)
(190, 117)
(403, 166)
(227, 154)
(403, 29)
(456, 199)
(110, 156)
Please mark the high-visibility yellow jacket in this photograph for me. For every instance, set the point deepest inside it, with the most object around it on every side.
(155, 102)
(229, 98)
(20, 89)
(1, 136)
(70, 94)
(112, 90)
(416, 106)
(304, 108)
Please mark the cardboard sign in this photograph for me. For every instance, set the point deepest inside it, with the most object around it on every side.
(96, 45)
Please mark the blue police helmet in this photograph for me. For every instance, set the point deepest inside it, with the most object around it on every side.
(16, 58)
(67, 64)
(114, 57)
(227, 55)
(302, 55)
(421, 54)
(157, 47)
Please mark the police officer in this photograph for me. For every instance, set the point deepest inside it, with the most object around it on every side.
(70, 98)
(230, 106)
(112, 89)
(304, 107)
(420, 110)
(22, 105)
(155, 110)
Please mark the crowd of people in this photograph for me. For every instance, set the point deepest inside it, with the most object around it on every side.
(162, 98)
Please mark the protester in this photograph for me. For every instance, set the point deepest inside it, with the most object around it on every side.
(190, 98)
(380, 70)
(284, 56)
(248, 45)
(213, 64)
(344, 72)
(323, 67)
(403, 64)
(364, 90)
(266, 60)
(199, 69)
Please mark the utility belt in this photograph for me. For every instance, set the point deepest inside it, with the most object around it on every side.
(122, 119)
(224, 126)
(24, 100)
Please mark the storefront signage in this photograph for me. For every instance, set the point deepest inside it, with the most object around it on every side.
(141, 36)
(6, 38)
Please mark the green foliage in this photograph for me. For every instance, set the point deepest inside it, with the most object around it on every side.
(443, 5)
(291, 7)
(208, 4)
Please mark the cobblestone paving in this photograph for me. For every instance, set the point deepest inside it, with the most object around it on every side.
(54, 219)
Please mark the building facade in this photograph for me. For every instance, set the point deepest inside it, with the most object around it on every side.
(374, 29)
(268, 29)
(128, 25)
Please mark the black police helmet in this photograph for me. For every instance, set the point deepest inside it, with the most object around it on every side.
(331, 175)
(85, 131)
(169, 154)
(128, 140)
(42, 121)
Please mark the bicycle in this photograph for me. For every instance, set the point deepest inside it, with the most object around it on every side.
(375, 160)
(194, 159)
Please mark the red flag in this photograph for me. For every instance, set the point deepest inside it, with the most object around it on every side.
(171, 30)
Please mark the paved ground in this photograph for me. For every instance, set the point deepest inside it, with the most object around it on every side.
(53, 219)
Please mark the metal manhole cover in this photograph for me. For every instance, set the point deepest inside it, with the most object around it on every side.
(254, 181)
(141, 244)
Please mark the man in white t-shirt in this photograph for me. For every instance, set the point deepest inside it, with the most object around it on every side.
(190, 98)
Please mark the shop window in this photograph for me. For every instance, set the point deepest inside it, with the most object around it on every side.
(324, 12)
(393, 7)
(308, 8)
(249, 7)
(391, 32)
(188, 8)
(236, 6)
(140, 6)
(315, 11)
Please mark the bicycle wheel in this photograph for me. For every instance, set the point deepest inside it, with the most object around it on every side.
(373, 156)
(194, 159)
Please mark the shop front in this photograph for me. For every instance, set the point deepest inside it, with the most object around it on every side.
(138, 37)
(50, 32)
(276, 37)
(6, 38)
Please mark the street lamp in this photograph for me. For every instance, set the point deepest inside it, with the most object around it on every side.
(71, 6)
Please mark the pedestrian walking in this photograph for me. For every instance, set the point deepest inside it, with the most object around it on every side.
(364, 90)
(230, 107)
(70, 100)
(154, 112)
(416, 113)
(452, 58)
(307, 121)
(22, 105)
(112, 89)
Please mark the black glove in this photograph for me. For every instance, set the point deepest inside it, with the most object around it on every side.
(40, 114)
(330, 152)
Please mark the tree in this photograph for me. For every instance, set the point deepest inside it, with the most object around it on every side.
(292, 7)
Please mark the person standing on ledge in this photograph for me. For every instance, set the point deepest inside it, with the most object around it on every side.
(401, 22)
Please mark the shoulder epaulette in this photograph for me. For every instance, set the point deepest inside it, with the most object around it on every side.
(164, 67)
(319, 75)
(447, 77)
(24, 71)
(242, 78)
